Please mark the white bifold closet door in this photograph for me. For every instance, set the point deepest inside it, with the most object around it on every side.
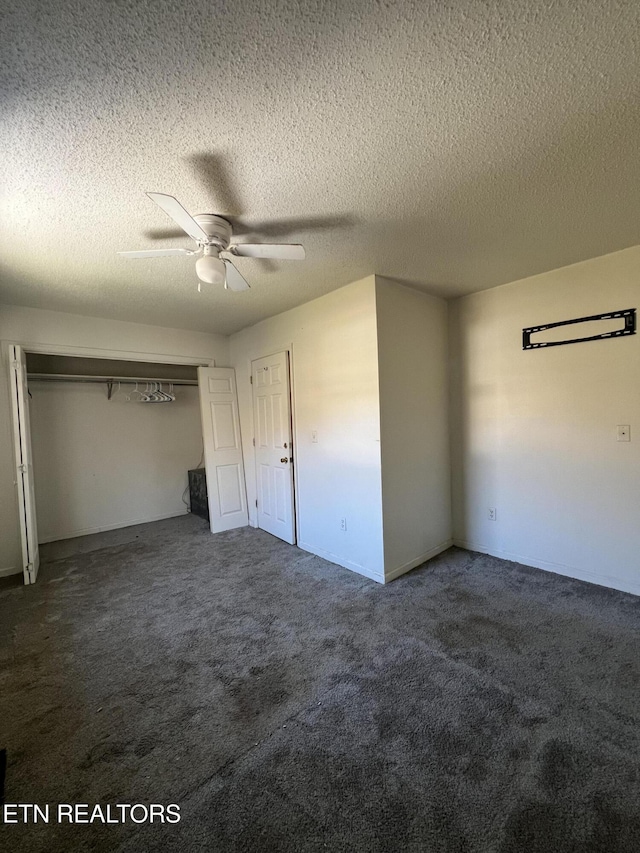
(24, 463)
(222, 448)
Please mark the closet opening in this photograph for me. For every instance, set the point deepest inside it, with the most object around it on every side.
(112, 442)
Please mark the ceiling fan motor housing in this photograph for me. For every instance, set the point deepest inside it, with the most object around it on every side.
(216, 228)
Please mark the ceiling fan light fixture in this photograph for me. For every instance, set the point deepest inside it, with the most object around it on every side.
(211, 270)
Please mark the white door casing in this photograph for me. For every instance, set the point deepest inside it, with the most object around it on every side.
(273, 448)
(222, 448)
(24, 463)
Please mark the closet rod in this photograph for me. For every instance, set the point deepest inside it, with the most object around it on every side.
(108, 380)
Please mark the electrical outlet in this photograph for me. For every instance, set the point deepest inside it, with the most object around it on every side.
(492, 513)
(343, 524)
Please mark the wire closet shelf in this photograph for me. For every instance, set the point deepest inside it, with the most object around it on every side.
(152, 391)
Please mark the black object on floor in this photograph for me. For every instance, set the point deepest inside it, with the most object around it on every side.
(285, 703)
(198, 497)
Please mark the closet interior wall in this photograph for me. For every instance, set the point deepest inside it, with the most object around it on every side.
(102, 463)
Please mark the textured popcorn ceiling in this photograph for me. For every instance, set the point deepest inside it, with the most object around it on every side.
(450, 145)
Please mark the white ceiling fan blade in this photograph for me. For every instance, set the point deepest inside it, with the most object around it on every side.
(156, 253)
(176, 211)
(277, 251)
(235, 281)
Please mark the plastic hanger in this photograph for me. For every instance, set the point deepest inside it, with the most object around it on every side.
(129, 396)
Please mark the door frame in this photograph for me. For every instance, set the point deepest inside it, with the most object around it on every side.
(265, 353)
(93, 352)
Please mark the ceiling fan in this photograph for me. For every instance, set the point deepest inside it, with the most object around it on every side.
(213, 235)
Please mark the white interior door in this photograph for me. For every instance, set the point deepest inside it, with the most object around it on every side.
(274, 453)
(222, 448)
(24, 463)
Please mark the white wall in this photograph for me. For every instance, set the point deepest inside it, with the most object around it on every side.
(101, 464)
(335, 389)
(84, 336)
(414, 425)
(534, 432)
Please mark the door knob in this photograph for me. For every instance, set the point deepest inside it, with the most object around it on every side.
(284, 459)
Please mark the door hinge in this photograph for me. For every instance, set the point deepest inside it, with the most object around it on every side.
(22, 469)
(254, 442)
(31, 571)
(251, 379)
(256, 502)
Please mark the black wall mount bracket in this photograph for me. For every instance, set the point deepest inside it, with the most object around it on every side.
(628, 328)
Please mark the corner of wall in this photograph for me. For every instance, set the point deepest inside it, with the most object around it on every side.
(414, 427)
(333, 340)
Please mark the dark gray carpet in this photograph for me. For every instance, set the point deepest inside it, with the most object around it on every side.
(288, 704)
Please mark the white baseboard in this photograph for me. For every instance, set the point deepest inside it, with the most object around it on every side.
(557, 568)
(341, 561)
(401, 570)
(10, 570)
(87, 531)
